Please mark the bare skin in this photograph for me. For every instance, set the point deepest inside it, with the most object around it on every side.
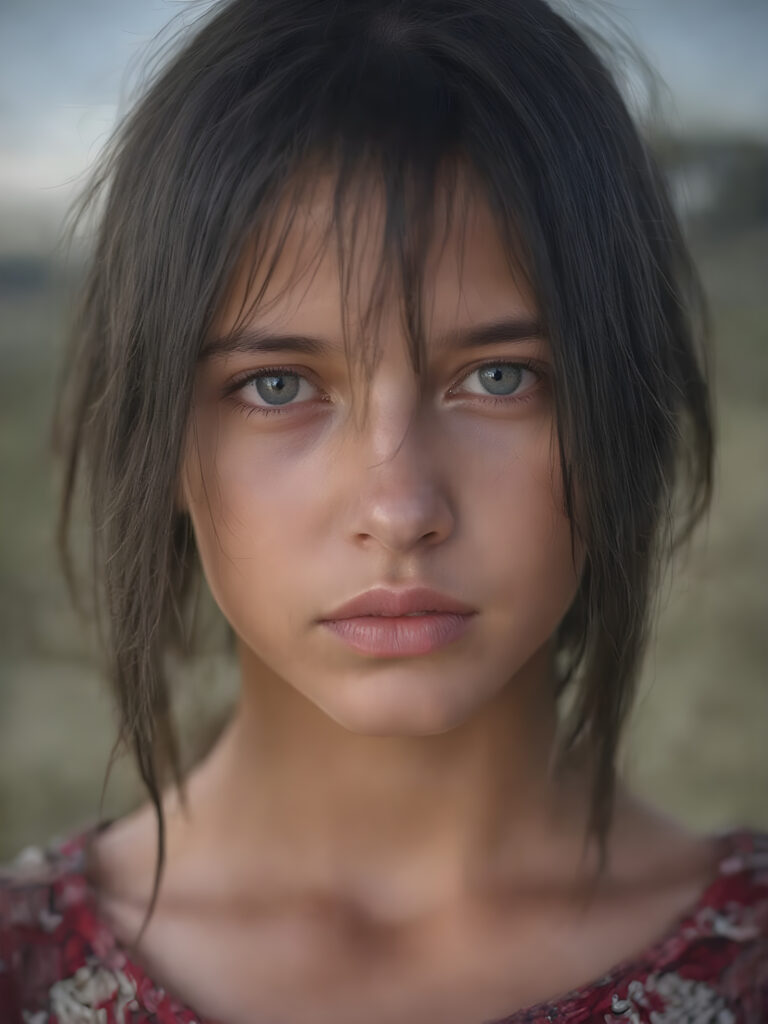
(278, 955)
(388, 839)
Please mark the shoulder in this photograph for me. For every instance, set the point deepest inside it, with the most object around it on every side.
(709, 967)
(29, 913)
(49, 937)
(736, 901)
(746, 859)
(734, 911)
(714, 962)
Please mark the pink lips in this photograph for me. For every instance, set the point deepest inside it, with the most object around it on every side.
(399, 623)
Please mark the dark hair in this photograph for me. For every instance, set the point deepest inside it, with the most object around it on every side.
(263, 94)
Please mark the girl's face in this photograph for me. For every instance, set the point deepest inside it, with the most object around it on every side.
(451, 481)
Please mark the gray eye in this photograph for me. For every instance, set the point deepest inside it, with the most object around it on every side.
(500, 380)
(278, 388)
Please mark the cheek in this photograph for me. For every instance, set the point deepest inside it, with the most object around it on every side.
(523, 535)
(242, 514)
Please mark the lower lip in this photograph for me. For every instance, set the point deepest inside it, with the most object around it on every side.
(401, 636)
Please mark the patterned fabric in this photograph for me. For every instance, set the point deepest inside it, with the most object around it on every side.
(59, 963)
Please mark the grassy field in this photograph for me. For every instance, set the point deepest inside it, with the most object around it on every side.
(697, 739)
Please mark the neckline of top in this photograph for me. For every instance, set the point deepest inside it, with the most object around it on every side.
(735, 846)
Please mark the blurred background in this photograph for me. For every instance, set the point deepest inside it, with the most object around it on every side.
(698, 738)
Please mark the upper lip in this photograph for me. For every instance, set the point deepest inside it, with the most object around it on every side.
(384, 602)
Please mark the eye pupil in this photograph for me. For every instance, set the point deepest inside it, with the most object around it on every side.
(277, 389)
(501, 380)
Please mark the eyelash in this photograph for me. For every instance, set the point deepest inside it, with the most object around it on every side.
(270, 371)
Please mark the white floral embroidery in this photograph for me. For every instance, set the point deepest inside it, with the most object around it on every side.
(627, 1008)
(686, 1002)
(724, 925)
(49, 920)
(38, 1017)
(29, 864)
(31, 857)
(75, 1000)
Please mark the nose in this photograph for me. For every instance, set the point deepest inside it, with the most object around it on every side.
(401, 501)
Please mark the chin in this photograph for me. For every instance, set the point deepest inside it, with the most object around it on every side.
(402, 704)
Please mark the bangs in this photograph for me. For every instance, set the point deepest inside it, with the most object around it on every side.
(370, 216)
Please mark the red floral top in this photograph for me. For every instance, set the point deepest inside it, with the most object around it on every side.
(59, 963)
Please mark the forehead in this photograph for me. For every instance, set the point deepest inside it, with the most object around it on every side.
(321, 265)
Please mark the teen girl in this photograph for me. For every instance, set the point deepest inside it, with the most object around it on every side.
(391, 332)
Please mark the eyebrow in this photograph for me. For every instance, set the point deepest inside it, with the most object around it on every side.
(256, 340)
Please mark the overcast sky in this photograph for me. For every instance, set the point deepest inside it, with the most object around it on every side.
(63, 62)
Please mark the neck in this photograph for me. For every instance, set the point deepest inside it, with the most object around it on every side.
(389, 821)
